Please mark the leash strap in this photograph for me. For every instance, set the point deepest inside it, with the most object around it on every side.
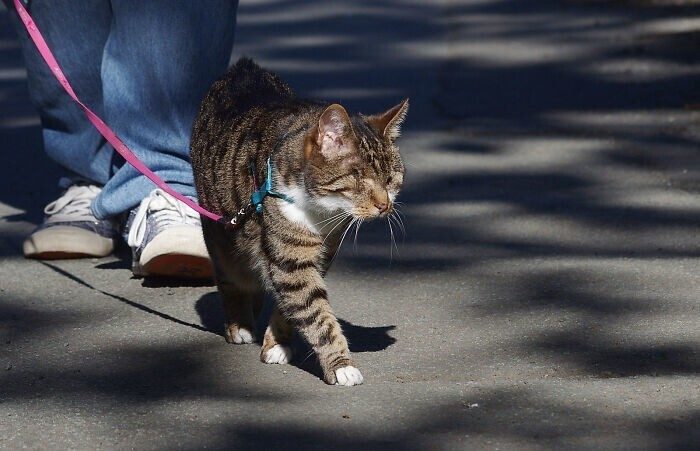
(99, 124)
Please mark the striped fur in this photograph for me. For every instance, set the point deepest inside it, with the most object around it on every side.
(338, 167)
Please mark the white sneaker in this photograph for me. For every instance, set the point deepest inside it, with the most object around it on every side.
(70, 230)
(166, 239)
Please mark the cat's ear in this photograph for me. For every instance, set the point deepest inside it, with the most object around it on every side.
(333, 132)
(389, 122)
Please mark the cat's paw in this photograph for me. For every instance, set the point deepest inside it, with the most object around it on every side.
(348, 376)
(239, 335)
(278, 354)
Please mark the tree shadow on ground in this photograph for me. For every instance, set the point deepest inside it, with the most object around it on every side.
(495, 418)
(134, 380)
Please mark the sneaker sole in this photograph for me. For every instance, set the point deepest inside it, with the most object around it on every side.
(177, 266)
(177, 252)
(66, 242)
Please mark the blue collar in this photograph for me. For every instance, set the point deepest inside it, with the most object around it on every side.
(265, 189)
(261, 192)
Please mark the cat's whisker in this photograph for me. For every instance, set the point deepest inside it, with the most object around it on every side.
(391, 220)
(403, 226)
(354, 221)
(399, 216)
(391, 235)
(337, 215)
(334, 227)
(399, 223)
(329, 221)
(325, 222)
(343, 238)
(398, 211)
(393, 242)
(311, 352)
(337, 220)
(334, 224)
(340, 213)
(357, 228)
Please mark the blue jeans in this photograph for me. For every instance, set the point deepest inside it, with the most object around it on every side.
(144, 67)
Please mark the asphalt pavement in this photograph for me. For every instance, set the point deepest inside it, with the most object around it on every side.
(545, 294)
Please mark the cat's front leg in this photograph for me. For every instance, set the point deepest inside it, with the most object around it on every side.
(303, 301)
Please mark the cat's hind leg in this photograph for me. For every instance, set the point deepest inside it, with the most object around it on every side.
(277, 340)
(238, 287)
(238, 308)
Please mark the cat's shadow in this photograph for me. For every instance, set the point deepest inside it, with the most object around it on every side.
(360, 338)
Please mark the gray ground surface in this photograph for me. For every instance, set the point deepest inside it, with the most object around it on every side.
(546, 293)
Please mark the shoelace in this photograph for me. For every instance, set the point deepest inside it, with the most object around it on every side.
(74, 204)
(165, 209)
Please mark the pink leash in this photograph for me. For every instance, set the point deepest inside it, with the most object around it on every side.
(99, 124)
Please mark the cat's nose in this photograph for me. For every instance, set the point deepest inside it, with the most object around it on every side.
(382, 207)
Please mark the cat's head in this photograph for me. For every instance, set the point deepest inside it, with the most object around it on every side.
(353, 163)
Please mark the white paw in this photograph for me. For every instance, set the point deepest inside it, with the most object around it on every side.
(348, 376)
(243, 336)
(278, 354)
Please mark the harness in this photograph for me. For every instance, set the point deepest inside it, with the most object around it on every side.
(260, 191)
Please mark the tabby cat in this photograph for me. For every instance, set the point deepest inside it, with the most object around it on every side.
(331, 166)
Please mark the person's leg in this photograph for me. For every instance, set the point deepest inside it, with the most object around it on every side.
(160, 59)
(77, 33)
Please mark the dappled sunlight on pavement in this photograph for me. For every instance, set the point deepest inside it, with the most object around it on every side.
(545, 292)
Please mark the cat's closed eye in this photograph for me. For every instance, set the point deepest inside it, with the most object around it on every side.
(342, 184)
(345, 190)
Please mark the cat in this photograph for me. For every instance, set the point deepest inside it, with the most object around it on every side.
(330, 168)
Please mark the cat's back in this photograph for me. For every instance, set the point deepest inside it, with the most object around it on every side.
(235, 112)
(245, 86)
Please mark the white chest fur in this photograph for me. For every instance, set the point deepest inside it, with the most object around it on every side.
(319, 217)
